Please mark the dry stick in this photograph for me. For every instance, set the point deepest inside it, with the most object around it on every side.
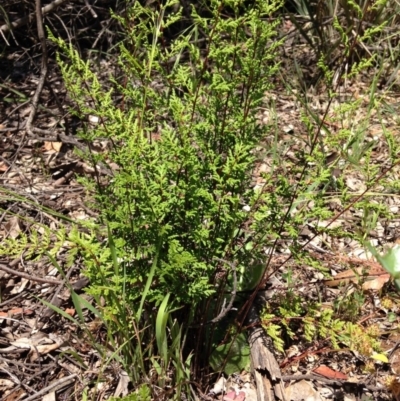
(53, 387)
(47, 312)
(11, 300)
(29, 277)
(22, 383)
(332, 382)
(265, 368)
(104, 29)
(43, 70)
(90, 9)
(224, 311)
(51, 137)
(23, 21)
(4, 38)
(42, 78)
(101, 167)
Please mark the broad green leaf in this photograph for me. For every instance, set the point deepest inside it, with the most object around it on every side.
(161, 325)
(390, 262)
(236, 353)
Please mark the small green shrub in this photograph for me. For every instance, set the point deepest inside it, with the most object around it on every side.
(183, 148)
(180, 228)
(309, 321)
(182, 143)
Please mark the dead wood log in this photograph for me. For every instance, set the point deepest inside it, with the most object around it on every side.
(264, 366)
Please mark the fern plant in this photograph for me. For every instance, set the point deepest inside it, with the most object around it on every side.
(297, 317)
(180, 225)
(182, 144)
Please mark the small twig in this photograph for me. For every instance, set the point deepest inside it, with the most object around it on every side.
(53, 387)
(13, 377)
(94, 15)
(48, 312)
(31, 377)
(59, 138)
(224, 311)
(31, 367)
(11, 129)
(43, 70)
(23, 21)
(4, 38)
(105, 25)
(331, 382)
(13, 299)
(202, 395)
(29, 277)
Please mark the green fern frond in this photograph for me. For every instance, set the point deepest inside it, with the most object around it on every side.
(275, 332)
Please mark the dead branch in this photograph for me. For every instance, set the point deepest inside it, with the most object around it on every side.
(43, 69)
(53, 387)
(23, 21)
(30, 277)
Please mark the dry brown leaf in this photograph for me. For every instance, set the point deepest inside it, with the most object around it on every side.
(12, 227)
(353, 276)
(14, 395)
(123, 384)
(377, 283)
(70, 311)
(355, 184)
(302, 390)
(3, 167)
(16, 311)
(46, 348)
(323, 370)
(52, 147)
(50, 397)
(5, 384)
